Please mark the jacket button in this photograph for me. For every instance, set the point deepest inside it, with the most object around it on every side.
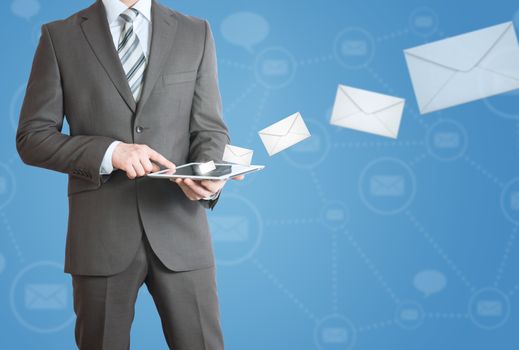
(139, 129)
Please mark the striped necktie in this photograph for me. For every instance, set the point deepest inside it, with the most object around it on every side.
(131, 53)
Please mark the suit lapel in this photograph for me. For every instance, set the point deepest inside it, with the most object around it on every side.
(97, 33)
(164, 27)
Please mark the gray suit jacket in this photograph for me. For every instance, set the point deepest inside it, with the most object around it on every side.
(77, 73)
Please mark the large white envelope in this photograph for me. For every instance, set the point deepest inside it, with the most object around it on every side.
(283, 134)
(237, 155)
(464, 68)
(229, 228)
(367, 111)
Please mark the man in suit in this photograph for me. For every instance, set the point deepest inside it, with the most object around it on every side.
(138, 85)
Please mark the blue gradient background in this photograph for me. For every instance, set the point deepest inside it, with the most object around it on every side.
(302, 271)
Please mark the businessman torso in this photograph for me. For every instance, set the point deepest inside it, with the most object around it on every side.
(77, 73)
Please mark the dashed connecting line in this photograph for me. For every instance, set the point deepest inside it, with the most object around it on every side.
(240, 98)
(483, 171)
(257, 117)
(504, 259)
(10, 233)
(417, 159)
(440, 251)
(447, 316)
(372, 268)
(360, 144)
(375, 326)
(318, 187)
(335, 291)
(284, 290)
(316, 60)
(235, 65)
(304, 221)
(392, 35)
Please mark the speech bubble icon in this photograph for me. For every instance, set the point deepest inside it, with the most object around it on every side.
(429, 282)
(25, 8)
(245, 29)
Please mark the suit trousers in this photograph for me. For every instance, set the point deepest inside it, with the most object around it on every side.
(186, 301)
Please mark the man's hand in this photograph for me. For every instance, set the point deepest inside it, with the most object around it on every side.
(197, 190)
(138, 160)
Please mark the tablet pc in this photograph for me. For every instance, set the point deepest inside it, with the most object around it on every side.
(190, 171)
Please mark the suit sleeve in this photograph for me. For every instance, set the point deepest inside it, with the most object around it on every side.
(39, 140)
(208, 132)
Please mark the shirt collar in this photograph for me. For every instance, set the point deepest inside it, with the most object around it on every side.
(115, 7)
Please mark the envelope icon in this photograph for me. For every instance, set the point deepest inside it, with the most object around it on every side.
(45, 296)
(387, 185)
(464, 68)
(283, 134)
(230, 228)
(367, 111)
(237, 155)
(354, 48)
(409, 314)
(335, 335)
(447, 140)
(489, 308)
(275, 67)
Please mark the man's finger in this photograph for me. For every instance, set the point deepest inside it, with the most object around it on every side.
(147, 165)
(239, 177)
(195, 187)
(139, 170)
(155, 168)
(211, 185)
(160, 159)
(187, 190)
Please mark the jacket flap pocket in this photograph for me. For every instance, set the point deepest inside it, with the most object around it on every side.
(178, 77)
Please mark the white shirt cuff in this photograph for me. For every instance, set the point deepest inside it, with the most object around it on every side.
(106, 165)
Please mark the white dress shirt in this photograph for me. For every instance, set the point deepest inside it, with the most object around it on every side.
(142, 28)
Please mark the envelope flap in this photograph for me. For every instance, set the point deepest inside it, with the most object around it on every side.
(46, 291)
(367, 101)
(282, 127)
(462, 52)
(238, 151)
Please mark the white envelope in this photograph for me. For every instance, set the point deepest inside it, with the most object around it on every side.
(237, 155)
(283, 134)
(367, 111)
(464, 68)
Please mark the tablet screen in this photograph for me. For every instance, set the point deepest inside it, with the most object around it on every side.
(192, 170)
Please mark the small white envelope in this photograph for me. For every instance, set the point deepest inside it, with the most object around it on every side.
(367, 111)
(464, 68)
(283, 134)
(237, 155)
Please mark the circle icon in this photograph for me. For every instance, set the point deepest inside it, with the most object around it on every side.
(335, 332)
(7, 185)
(312, 151)
(489, 308)
(409, 315)
(510, 201)
(275, 68)
(354, 48)
(335, 215)
(424, 21)
(41, 298)
(446, 140)
(387, 186)
(236, 229)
